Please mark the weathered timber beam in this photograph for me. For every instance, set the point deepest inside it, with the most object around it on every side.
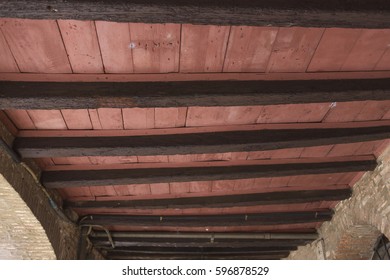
(200, 251)
(332, 13)
(126, 256)
(277, 218)
(215, 236)
(51, 95)
(286, 197)
(198, 143)
(210, 171)
(104, 243)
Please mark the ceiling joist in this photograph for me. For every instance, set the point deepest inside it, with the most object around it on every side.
(236, 200)
(332, 13)
(277, 218)
(208, 171)
(77, 95)
(266, 138)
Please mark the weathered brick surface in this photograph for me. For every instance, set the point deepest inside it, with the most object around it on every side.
(21, 237)
(358, 221)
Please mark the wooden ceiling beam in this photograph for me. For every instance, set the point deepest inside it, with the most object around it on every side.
(237, 200)
(198, 143)
(257, 256)
(201, 251)
(205, 236)
(332, 13)
(208, 171)
(104, 243)
(276, 218)
(77, 95)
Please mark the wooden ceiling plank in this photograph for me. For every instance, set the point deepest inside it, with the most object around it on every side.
(249, 49)
(36, 45)
(115, 46)
(293, 49)
(82, 45)
(7, 60)
(203, 48)
(333, 49)
(155, 47)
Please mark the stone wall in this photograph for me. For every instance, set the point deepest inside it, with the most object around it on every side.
(358, 221)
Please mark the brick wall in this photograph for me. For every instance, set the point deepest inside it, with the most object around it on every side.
(358, 221)
(24, 238)
(21, 235)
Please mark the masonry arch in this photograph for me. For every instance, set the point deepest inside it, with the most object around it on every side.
(22, 235)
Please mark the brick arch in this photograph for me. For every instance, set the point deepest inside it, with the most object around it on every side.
(22, 235)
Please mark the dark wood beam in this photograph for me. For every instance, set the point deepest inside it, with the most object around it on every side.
(201, 251)
(206, 172)
(205, 236)
(281, 218)
(285, 197)
(197, 143)
(139, 256)
(332, 13)
(104, 243)
(51, 95)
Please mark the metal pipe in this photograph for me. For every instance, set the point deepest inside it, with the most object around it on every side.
(211, 236)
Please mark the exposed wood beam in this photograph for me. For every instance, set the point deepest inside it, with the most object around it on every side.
(215, 236)
(104, 243)
(286, 197)
(332, 13)
(125, 256)
(50, 95)
(197, 143)
(201, 251)
(193, 130)
(205, 171)
(281, 218)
